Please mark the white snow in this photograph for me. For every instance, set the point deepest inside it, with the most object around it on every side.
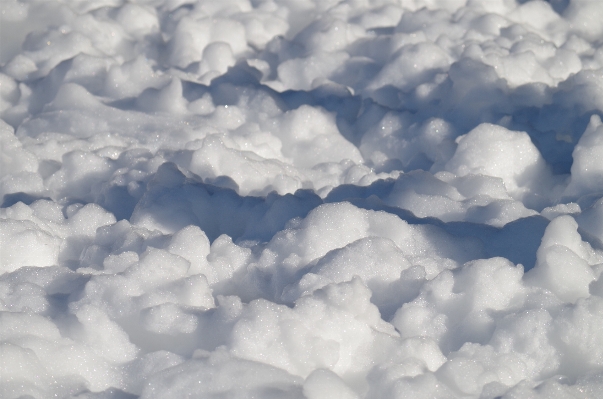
(301, 199)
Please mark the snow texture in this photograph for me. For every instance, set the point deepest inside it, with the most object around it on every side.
(313, 199)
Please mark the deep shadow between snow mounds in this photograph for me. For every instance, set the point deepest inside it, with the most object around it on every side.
(11, 199)
(517, 241)
(173, 201)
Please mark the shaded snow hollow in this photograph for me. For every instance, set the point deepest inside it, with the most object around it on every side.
(301, 199)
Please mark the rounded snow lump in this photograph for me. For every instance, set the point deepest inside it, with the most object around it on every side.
(493, 150)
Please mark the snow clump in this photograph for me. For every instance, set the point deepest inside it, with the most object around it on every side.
(301, 199)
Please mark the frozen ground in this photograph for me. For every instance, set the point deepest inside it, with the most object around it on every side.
(301, 199)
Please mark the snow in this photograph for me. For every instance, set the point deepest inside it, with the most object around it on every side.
(301, 199)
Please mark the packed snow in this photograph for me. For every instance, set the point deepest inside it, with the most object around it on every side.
(301, 199)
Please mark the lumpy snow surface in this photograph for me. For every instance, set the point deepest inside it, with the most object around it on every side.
(310, 199)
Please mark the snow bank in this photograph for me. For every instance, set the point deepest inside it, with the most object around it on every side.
(301, 199)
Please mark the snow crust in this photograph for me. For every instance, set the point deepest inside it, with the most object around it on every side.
(301, 199)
